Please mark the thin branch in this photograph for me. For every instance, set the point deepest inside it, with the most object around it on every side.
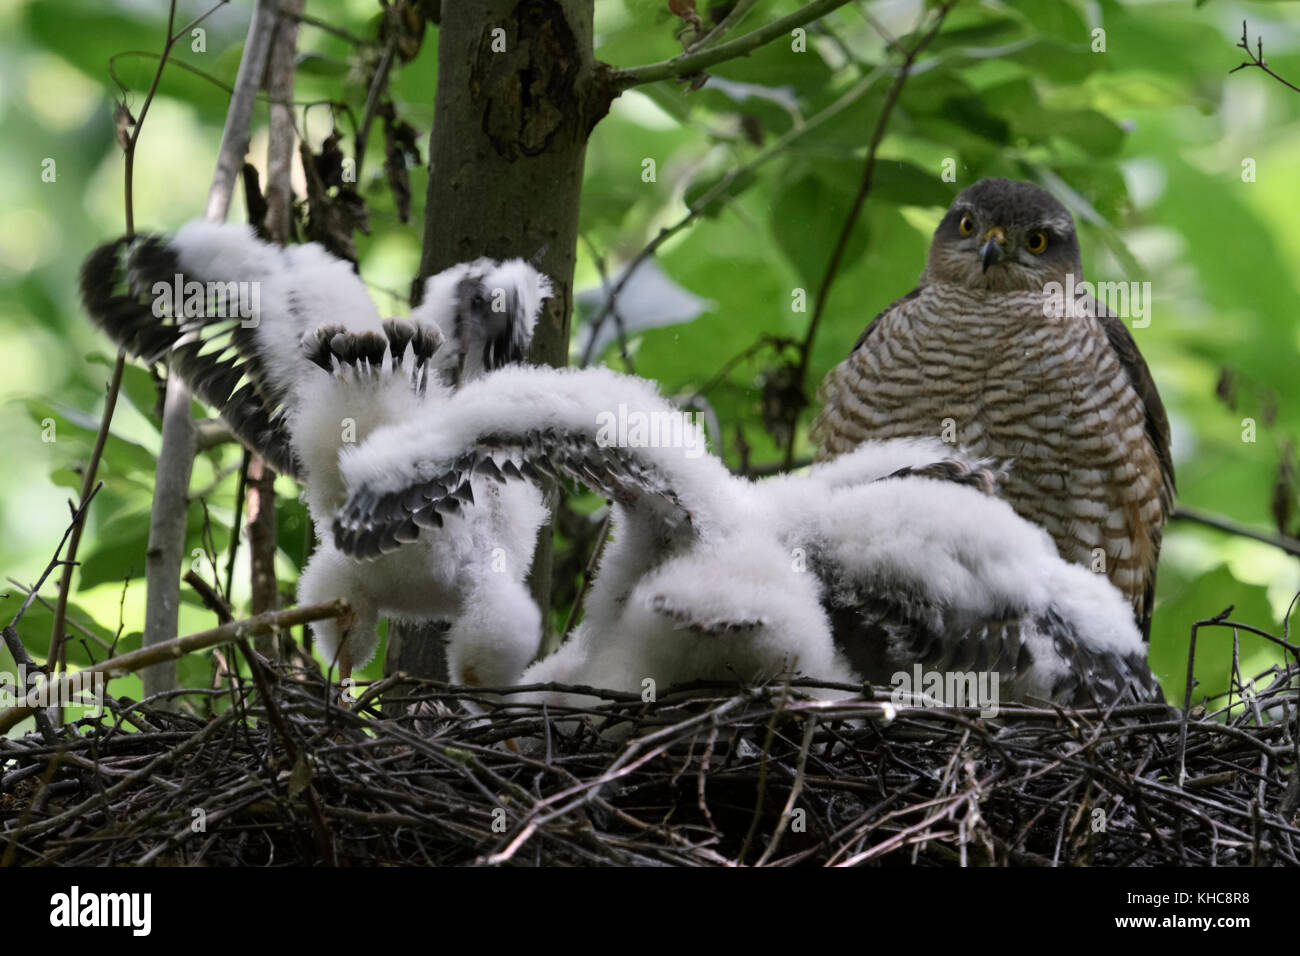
(1282, 542)
(179, 647)
(213, 601)
(377, 84)
(55, 658)
(235, 135)
(281, 134)
(732, 19)
(167, 519)
(717, 193)
(687, 64)
(297, 16)
(610, 309)
(72, 623)
(602, 536)
(324, 838)
(864, 189)
(233, 549)
(1257, 58)
(777, 342)
(15, 645)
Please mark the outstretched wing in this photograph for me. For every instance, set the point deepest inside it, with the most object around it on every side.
(532, 424)
(229, 313)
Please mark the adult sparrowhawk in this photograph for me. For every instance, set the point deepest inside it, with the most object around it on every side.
(992, 354)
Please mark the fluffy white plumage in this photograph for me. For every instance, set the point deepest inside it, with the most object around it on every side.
(847, 572)
(324, 371)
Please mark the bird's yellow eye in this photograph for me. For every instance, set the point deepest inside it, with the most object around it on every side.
(1037, 243)
(966, 226)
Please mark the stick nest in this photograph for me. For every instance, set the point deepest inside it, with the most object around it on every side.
(707, 775)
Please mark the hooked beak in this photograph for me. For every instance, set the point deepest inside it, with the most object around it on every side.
(991, 251)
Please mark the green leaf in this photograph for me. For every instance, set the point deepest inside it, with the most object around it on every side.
(908, 184)
(139, 388)
(37, 624)
(313, 64)
(806, 221)
(700, 187)
(1091, 131)
(1058, 20)
(1182, 603)
(777, 65)
(74, 425)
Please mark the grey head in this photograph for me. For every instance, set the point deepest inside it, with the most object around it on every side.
(1005, 235)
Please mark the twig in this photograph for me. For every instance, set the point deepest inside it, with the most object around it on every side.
(232, 550)
(15, 645)
(213, 601)
(760, 791)
(55, 658)
(236, 132)
(592, 561)
(377, 84)
(280, 126)
(178, 647)
(690, 63)
(1282, 542)
(787, 812)
(259, 478)
(610, 307)
(1257, 58)
(718, 193)
(724, 26)
(324, 838)
(864, 189)
(293, 12)
(167, 519)
(777, 342)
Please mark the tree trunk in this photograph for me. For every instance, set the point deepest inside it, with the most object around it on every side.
(519, 91)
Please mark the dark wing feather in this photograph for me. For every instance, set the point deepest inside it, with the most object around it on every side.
(1100, 678)
(372, 523)
(216, 357)
(1157, 432)
(882, 630)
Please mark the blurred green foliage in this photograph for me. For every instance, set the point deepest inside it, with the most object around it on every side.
(1151, 135)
